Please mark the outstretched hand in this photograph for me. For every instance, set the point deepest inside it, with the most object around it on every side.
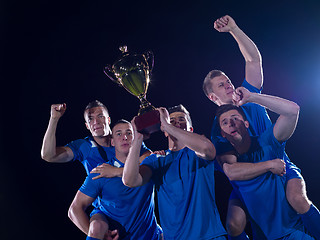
(57, 110)
(224, 24)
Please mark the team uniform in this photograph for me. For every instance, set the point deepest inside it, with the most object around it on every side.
(186, 197)
(132, 208)
(87, 152)
(91, 155)
(264, 196)
(259, 121)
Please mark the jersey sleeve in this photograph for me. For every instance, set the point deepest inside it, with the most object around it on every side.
(144, 149)
(151, 161)
(91, 187)
(80, 149)
(250, 87)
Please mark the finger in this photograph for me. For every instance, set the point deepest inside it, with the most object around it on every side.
(219, 24)
(97, 177)
(224, 20)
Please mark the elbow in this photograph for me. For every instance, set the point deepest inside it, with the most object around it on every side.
(71, 212)
(296, 109)
(209, 150)
(46, 157)
(227, 169)
(293, 109)
(127, 182)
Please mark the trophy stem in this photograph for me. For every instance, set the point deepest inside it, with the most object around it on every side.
(145, 105)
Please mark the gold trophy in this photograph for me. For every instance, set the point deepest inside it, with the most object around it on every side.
(132, 71)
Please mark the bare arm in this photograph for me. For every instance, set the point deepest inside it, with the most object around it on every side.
(198, 143)
(49, 151)
(77, 212)
(135, 175)
(237, 171)
(288, 111)
(250, 52)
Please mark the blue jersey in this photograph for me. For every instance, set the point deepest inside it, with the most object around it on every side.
(186, 197)
(132, 208)
(87, 152)
(264, 196)
(259, 121)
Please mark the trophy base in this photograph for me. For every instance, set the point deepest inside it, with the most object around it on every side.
(148, 122)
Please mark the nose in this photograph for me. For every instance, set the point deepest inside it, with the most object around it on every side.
(125, 137)
(231, 123)
(176, 124)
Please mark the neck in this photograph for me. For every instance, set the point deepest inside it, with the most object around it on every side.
(121, 156)
(104, 141)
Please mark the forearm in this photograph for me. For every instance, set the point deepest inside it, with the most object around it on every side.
(247, 47)
(239, 171)
(131, 176)
(79, 217)
(198, 143)
(278, 105)
(48, 150)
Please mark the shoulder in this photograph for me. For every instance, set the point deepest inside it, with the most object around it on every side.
(250, 87)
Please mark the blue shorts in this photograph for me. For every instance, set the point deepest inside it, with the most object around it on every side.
(96, 211)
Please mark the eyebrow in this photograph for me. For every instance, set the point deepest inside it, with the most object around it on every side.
(236, 114)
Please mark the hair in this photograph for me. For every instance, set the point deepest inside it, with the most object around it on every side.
(95, 103)
(226, 108)
(180, 108)
(120, 122)
(206, 86)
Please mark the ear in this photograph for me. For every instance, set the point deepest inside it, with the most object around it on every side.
(109, 120)
(87, 126)
(112, 143)
(246, 124)
(212, 97)
(223, 134)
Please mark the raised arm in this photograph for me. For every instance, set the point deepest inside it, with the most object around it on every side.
(135, 175)
(250, 52)
(49, 151)
(202, 146)
(288, 111)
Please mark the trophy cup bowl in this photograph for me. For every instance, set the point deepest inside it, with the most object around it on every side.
(132, 71)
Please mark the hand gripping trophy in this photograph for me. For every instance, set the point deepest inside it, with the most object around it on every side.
(132, 71)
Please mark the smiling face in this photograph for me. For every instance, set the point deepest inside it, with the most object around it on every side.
(97, 121)
(233, 126)
(221, 90)
(122, 137)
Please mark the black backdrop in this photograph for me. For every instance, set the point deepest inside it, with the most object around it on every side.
(54, 52)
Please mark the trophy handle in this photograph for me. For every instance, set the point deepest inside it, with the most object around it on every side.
(108, 71)
(150, 59)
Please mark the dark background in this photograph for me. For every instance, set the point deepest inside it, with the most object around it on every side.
(55, 51)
